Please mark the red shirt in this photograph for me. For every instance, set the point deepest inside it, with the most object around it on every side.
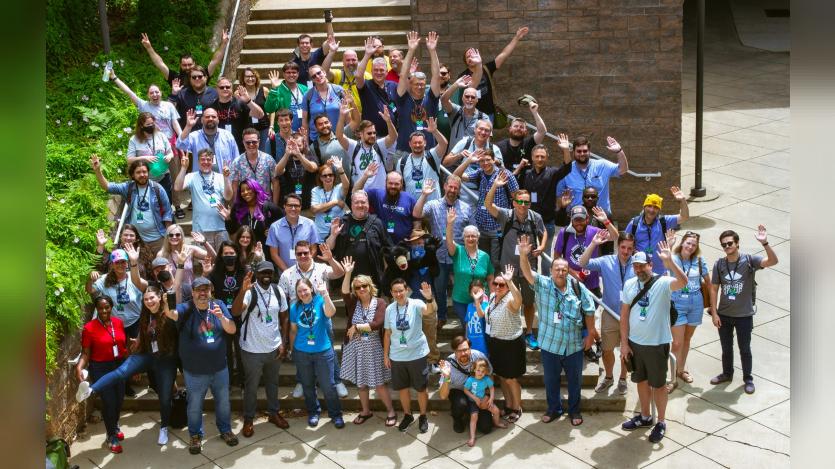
(97, 337)
(392, 76)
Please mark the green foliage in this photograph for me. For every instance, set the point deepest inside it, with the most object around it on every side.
(85, 115)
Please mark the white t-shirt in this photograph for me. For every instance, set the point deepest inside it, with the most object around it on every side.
(262, 328)
(364, 157)
(649, 319)
(164, 114)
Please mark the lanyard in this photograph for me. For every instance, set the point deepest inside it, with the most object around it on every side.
(401, 319)
(265, 301)
(295, 95)
(212, 143)
(473, 263)
(111, 331)
(422, 163)
(207, 185)
(152, 325)
(622, 272)
(732, 273)
(302, 274)
(121, 290)
(292, 234)
(143, 196)
(577, 240)
(254, 172)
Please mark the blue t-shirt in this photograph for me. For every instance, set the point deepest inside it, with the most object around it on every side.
(406, 325)
(647, 238)
(315, 105)
(478, 387)
(691, 268)
(475, 328)
(649, 319)
(202, 344)
(283, 237)
(206, 192)
(396, 218)
(614, 275)
(597, 175)
(127, 299)
(412, 115)
(313, 334)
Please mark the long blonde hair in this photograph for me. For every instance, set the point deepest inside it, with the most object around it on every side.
(166, 250)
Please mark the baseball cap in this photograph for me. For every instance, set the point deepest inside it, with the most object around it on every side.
(199, 282)
(159, 262)
(640, 257)
(578, 211)
(118, 255)
(264, 265)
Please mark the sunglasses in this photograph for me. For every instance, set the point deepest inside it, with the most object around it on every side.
(227, 87)
(523, 202)
(303, 254)
(296, 206)
(590, 196)
(329, 175)
(360, 287)
(317, 73)
(693, 234)
(499, 284)
(251, 142)
(443, 73)
(727, 245)
(197, 77)
(175, 235)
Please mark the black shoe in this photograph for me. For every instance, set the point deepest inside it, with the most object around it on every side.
(179, 213)
(458, 426)
(657, 433)
(404, 424)
(129, 391)
(423, 423)
(189, 206)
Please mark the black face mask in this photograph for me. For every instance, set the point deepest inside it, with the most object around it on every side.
(164, 276)
(149, 129)
(229, 261)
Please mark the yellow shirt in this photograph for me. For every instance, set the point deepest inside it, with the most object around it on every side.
(349, 84)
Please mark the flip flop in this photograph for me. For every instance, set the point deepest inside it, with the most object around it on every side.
(391, 420)
(550, 417)
(576, 417)
(362, 418)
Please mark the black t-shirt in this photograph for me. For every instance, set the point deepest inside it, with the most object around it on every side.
(485, 102)
(513, 155)
(544, 185)
(359, 249)
(226, 284)
(234, 117)
(188, 99)
(295, 174)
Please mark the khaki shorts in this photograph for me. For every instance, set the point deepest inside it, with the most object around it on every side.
(609, 332)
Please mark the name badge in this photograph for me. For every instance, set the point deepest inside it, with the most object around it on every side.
(684, 296)
(154, 346)
(311, 342)
(293, 253)
(198, 110)
(115, 351)
(533, 197)
(478, 94)
(228, 127)
(210, 340)
(557, 317)
(254, 120)
(299, 113)
(731, 297)
(487, 328)
(390, 227)
(364, 336)
(516, 252)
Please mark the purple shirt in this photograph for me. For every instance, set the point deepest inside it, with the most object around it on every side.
(396, 218)
(574, 247)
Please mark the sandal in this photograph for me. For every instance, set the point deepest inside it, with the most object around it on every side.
(685, 376)
(576, 417)
(550, 417)
(514, 415)
(362, 418)
(671, 386)
(391, 420)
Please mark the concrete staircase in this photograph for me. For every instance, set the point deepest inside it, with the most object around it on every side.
(275, 25)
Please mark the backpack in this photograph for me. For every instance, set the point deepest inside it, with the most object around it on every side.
(253, 300)
(637, 220)
(647, 286)
(753, 276)
(129, 198)
(429, 159)
(478, 115)
(564, 242)
(338, 90)
(509, 224)
(179, 402)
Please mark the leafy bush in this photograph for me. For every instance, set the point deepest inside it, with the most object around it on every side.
(85, 115)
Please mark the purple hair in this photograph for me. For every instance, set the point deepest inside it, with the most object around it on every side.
(240, 207)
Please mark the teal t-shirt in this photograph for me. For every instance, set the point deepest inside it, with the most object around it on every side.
(478, 387)
(313, 326)
(464, 271)
(406, 325)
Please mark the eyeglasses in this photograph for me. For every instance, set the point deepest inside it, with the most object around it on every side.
(360, 287)
(196, 77)
(296, 206)
(250, 142)
(247, 77)
(317, 73)
(589, 196)
(465, 350)
(728, 244)
(499, 284)
(443, 74)
(470, 97)
(227, 87)
(329, 175)
(175, 235)
(523, 202)
(302, 253)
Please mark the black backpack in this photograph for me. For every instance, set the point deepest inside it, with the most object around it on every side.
(129, 197)
(429, 159)
(478, 115)
(509, 224)
(253, 300)
(647, 286)
(637, 220)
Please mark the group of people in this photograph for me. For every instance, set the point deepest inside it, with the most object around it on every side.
(367, 175)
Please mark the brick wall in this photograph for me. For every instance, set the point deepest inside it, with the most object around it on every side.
(597, 67)
(66, 416)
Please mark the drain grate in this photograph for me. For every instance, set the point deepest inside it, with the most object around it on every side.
(777, 13)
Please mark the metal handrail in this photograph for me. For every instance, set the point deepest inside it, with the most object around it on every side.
(121, 222)
(231, 31)
(646, 176)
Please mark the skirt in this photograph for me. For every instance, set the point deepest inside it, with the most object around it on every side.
(507, 356)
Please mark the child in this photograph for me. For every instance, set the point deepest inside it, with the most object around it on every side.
(476, 388)
(474, 327)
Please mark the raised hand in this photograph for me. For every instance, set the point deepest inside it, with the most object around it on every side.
(133, 252)
(432, 124)
(524, 245)
(325, 253)
(242, 94)
(217, 312)
(413, 39)
(507, 275)
(191, 118)
(613, 145)
(761, 234)
(566, 198)
(524, 163)
(670, 236)
(184, 162)
(522, 32)
(226, 172)
(95, 163)
(345, 108)
(428, 187)
(180, 257)
(198, 237)
(450, 215)
(321, 287)
(414, 66)
(225, 36)
(464, 81)
(385, 114)
(347, 264)
(475, 57)
(426, 290)
(207, 264)
(501, 179)
(222, 210)
(477, 293)
(333, 44)
(563, 142)
(176, 86)
(599, 214)
(258, 249)
(247, 282)
(336, 225)
(664, 251)
(146, 43)
(601, 237)
(534, 107)
(371, 170)
(101, 238)
(677, 193)
(445, 368)
(275, 78)
(432, 40)
(369, 46)
(336, 162)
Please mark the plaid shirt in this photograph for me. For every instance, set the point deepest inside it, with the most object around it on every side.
(487, 225)
(566, 336)
(436, 211)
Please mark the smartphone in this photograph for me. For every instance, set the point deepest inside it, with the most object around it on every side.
(629, 364)
(171, 297)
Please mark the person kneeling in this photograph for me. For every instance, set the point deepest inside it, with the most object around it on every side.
(476, 388)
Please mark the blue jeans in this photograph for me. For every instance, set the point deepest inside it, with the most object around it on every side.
(111, 396)
(254, 365)
(550, 230)
(164, 369)
(743, 327)
(552, 365)
(317, 369)
(197, 385)
(460, 310)
(441, 287)
(265, 144)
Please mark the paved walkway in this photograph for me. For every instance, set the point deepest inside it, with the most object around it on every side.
(746, 163)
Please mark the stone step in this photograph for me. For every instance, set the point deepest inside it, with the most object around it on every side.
(341, 11)
(533, 400)
(347, 40)
(260, 56)
(398, 22)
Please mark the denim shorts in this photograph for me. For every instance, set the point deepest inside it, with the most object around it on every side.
(690, 310)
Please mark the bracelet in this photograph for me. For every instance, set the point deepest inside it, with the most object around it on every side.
(430, 300)
(607, 222)
(765, 244)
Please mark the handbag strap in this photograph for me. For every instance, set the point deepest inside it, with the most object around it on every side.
(643, 291)
(492, 85)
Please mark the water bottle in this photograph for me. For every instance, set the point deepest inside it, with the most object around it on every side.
(107, 68)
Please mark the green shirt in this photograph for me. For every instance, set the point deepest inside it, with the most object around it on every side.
(464, 272)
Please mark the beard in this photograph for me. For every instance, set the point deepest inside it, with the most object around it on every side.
(211, 125)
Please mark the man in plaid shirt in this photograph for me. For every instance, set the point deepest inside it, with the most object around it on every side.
(563, 305)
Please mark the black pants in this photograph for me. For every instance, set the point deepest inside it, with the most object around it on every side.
(743, 327)
(493, 247)
(461, 412)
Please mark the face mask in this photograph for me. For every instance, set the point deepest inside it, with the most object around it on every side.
(418, 252)
(148, 129)
(229, 261)
(164, 276)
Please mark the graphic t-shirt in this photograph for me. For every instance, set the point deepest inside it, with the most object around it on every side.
(736, 285)
(478, 387)
(574, 247)
(313, 326)
(475, 327)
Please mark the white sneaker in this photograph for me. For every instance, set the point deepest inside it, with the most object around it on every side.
(434, 369)
(298, 391)
(83, 392)
(163, 436)
(604, 384)
(341, 390)
(84, 374)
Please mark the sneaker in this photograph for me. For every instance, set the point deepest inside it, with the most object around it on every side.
(84, 391)
(657, 433)
(341, 390)
(298, 391)
(196, 445)
(114, 446)
(229, 438)
(179, 213)
(749, 387)
(622, 387)
(604, 384)
(404, 424)
(720, 378)
(119, 435)
(636, 422)
(531, 342)
(84, 374)
(338, 422)
(434, 369)
(163, 436)
(423, 423)
(313, 420)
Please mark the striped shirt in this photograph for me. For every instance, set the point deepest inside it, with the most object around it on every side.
(436, 210)
(561, 315)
